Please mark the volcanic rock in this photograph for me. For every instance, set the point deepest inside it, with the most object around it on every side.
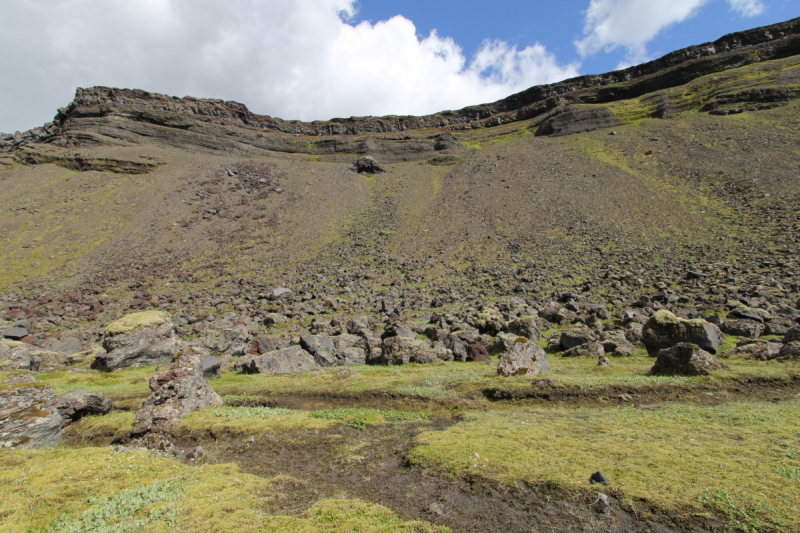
(175, 393)
(138, 339)
(664, 330)
(525, 358)
(28, 414)
(74, 405)
(283, 361)
(685, 359)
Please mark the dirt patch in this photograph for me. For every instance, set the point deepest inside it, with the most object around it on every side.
(370, 464)
(545, 391)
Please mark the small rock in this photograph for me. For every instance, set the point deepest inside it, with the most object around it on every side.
(599, 478)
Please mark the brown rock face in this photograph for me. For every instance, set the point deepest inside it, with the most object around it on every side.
(175, 393)
(685, 359)
(526, 358)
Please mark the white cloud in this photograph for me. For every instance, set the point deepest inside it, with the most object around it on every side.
(631, 24)
(291, 59)
(748, 8)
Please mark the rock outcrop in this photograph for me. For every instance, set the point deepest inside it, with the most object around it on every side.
(74, 405)
(175, 393)
(138, 339)
(28, 414)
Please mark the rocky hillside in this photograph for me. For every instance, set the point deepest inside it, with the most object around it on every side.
(670, 184)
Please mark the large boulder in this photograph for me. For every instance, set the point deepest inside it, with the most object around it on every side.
(664, 330)
(503, 343)
(221, 340)
(793, 334)
(576, 335)
(743, 327)
(350, 350)
(366, 164)
(400, 351)
(615, 343)
(66, 345)
(525, 358)
(321, 348)
(74, 405)
(489, 321)
(590, 349)
(685, 359)
(28, 414)
(527, 326)
(175, 393)
(478, 352)
(283, 361)
(15, 355)
(138, 339)
(789, 351)
(750, 313)
(360, 326)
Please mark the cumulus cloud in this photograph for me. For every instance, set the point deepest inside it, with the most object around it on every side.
(298, 59)
(748, 8)
(631, 24)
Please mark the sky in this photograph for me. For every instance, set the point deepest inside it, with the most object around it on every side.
(319, 59)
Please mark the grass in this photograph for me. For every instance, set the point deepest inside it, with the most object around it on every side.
(96, 489)
(451, 381)
(730, 458)
(357, 418)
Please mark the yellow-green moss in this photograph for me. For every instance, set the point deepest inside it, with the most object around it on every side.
(135, 321)
(676, 457)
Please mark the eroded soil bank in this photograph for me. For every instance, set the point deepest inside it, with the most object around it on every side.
(370, 464)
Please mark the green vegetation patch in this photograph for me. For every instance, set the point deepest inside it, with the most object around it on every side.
(135, 321)
(730, 458)
(349, 515)
(121, 384)
(357, 418)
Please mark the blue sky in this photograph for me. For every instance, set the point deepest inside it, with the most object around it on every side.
(558, 24)
(318, 59)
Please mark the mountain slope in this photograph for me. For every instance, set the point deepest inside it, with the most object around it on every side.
(613, 185)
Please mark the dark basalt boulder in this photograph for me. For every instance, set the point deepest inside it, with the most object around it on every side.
(664, 330)
(74, 405)
(685, 359)
(367, 165)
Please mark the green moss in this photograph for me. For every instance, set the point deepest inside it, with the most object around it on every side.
(136, 321)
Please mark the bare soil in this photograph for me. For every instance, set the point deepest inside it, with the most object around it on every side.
(370, 464)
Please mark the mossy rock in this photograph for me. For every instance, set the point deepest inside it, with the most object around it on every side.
(136, 321)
